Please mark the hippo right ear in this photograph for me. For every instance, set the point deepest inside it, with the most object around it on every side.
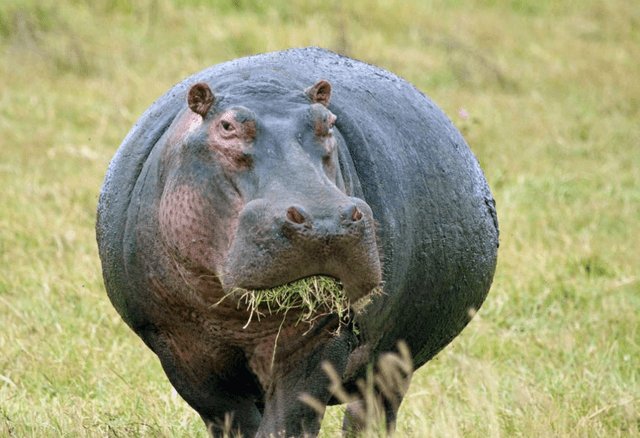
(320, 92)
(200, 98)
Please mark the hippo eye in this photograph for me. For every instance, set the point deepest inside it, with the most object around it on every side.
(225, 125)
(331, 121)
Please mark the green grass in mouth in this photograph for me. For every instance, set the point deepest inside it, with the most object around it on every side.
(313, 297)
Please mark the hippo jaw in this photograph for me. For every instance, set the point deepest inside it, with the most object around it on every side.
(294, 244)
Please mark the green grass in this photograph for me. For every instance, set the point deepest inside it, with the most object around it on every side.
(311, 297)
(552, 94)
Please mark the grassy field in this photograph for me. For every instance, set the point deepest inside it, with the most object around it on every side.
(547, 95)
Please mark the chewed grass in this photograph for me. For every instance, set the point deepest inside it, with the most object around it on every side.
(311, 297)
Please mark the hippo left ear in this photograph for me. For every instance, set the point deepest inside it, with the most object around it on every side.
(200, 98)
(320, 92)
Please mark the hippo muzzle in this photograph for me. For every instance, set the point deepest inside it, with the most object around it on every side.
(283, 242)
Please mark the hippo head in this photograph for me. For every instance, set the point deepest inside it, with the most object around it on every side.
(254, 194)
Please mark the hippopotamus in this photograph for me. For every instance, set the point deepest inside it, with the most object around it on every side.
(268, 169)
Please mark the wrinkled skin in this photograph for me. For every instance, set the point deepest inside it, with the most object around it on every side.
(264, 170)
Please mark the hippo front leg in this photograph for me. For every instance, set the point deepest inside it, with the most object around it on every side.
(381, 395)
(226, 403)
(285, 413)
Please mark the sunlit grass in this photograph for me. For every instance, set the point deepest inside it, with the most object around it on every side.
(548, 97)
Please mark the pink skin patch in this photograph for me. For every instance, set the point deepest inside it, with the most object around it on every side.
(189, 123)
(187, 226)
(323, 122)
(232, 139)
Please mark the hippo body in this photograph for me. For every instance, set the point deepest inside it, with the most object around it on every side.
(266, 169)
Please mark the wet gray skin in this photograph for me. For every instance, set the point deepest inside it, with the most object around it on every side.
(263, 170)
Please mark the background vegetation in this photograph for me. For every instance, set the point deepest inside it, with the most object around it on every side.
(547, 94)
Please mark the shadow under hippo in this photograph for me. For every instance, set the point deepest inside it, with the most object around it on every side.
(264, 170)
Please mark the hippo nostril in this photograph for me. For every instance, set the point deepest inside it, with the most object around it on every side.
(294, 215)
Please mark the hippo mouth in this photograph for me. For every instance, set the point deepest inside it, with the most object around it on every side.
(312, 298)
(325, 284)
(355, 267)
(353, 261)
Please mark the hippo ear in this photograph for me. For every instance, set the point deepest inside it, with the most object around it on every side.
(320, 92)
(200, 98)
